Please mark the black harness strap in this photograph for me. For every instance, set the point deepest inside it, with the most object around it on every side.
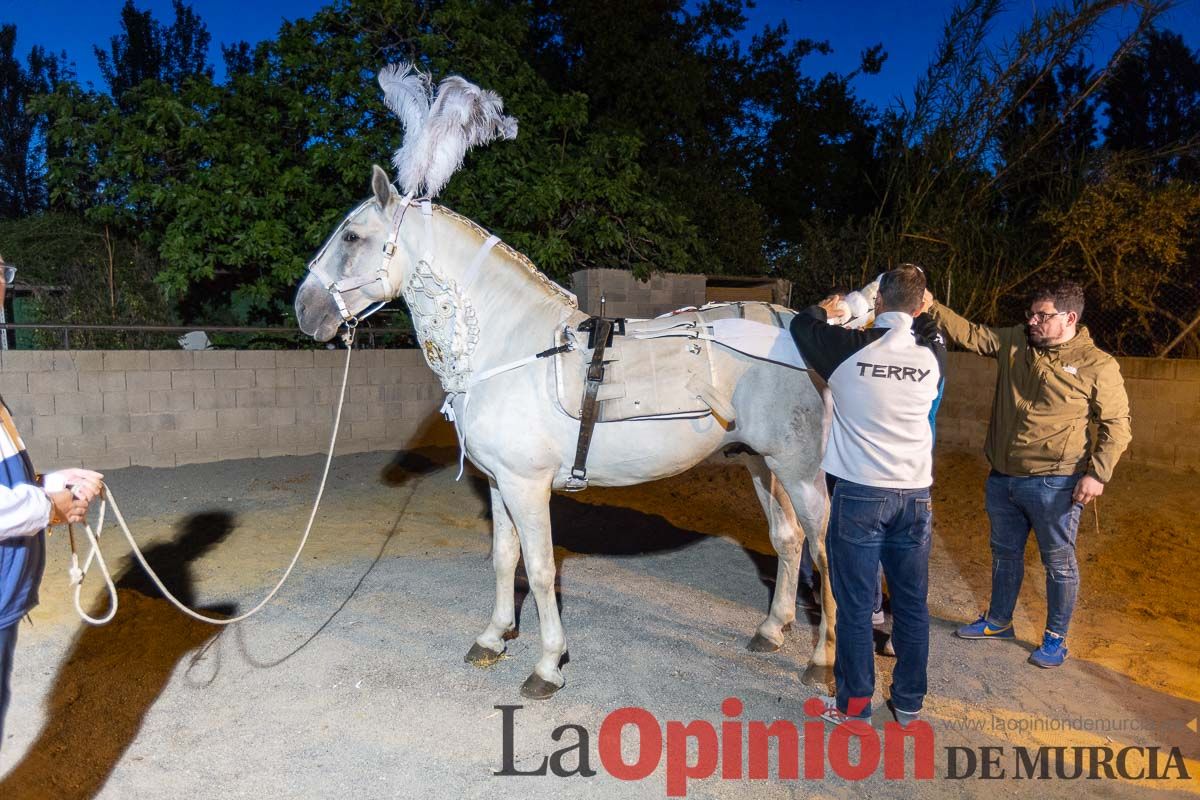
(601, 333)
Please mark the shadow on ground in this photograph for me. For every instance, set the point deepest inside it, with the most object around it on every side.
(113, 674)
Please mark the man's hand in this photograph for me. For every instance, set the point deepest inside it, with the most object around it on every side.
(836, 310)
(84, 482)
(1087, 489)
(926, 303)
(66, 507)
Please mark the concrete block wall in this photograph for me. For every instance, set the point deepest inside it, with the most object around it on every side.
(626, 296)
(1164, 400)
(117, 408)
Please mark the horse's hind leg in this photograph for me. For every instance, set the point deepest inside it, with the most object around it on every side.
(786, 539)
(810, 504)
(506, 551)
(528, 501)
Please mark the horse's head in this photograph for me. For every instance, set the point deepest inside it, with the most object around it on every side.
(360, 266)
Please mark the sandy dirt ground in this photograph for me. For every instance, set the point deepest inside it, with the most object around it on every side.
(351, 684)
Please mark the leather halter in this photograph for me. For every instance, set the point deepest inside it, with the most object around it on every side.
(381, 275)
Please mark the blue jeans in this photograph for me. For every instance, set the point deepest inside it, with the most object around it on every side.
(1014, 505)
(8, 644)
(808, 579)
(869, 526)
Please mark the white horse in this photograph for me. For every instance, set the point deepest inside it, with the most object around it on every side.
(482, 311)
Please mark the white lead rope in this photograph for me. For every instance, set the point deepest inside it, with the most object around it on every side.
(78, 574)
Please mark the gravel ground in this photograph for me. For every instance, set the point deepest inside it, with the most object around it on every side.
(352, 684)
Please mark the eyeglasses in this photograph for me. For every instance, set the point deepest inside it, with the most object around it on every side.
(1043, 316)
(9, 274)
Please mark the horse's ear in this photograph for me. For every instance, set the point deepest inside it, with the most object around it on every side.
(381, 186)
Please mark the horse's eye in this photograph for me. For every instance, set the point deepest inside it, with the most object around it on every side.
(349, 236)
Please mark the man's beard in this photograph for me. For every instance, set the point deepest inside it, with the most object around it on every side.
(1036, 339)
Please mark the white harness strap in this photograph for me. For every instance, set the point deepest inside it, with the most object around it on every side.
(382, 273)
(477, 261)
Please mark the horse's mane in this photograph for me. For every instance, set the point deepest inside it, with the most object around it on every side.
(439, 127)
(513, 254)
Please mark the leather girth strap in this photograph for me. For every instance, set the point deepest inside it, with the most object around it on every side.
(590, 410)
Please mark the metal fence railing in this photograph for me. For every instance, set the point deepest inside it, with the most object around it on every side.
(52, 336)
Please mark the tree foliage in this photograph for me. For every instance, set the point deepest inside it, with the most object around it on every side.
(655, 135)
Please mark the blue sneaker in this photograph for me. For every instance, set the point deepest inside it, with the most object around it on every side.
(1052, 652)
(982, 629)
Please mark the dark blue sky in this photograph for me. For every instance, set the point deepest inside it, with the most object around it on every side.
(908, 31)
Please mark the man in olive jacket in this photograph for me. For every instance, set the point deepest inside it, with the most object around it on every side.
(1047, 463)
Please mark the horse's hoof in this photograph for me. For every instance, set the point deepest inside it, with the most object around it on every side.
(536, 687)
(787, 626)
(818, 675)
(761, 644)
(510, 634)
(480, 656)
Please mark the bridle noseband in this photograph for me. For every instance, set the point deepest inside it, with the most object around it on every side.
(381, 275)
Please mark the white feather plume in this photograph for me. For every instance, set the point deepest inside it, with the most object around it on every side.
(408, 93)
(438, 134)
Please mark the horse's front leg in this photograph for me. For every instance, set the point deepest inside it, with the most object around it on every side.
(528, 502)
(506, 551)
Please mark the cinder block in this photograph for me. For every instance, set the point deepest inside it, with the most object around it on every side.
(275, 417)
(364, 394)
(402, 358)
(329, 358)
(315, 376)
(53, 382)
(357, 377)
(235, 419)
(13, 382)
(255, 359)
(234, 378)
(196, 420)
(128, 442)
(81, 446)
(418, 410)
(138, 380)
(105, 423)
(126, 360)
(100, 382)
(108, 460)
(173, 442)
(172, 401)
(1187, 456)
(215, 398)
(30, 405)
(152, 459)
(126, 402)
(193, 379)
(298, 436)
(56, 426)
(383, 376)
(255, 398)
(373, 428)
(246, 437)
(326, 395)
(293, 398)
(319, 416)
(293, 359)
(27, 360)
(78, 403)
(152, 423)
(265, 378)
(171, 360)
(1155, 369)
(1187, 369)
(42, 450)
(213, 359)
(86, 360)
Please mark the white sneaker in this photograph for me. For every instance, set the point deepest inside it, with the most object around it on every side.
(835, 717)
